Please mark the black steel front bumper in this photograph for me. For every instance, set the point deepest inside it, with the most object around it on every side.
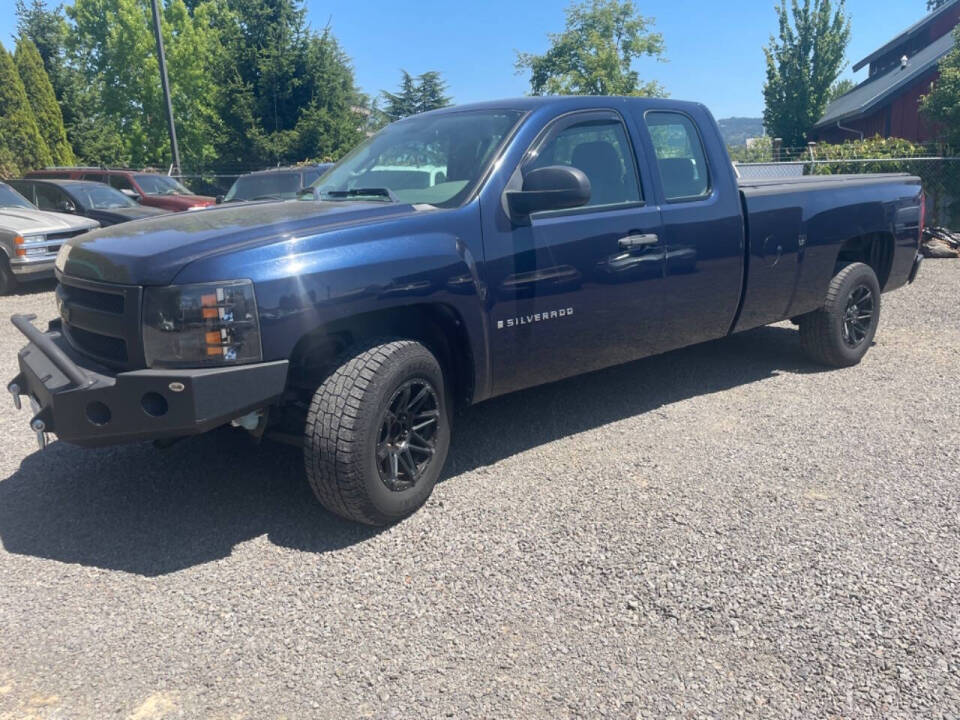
(87, 404)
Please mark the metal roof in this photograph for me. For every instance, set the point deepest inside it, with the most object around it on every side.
(906, 34)
(873, 91)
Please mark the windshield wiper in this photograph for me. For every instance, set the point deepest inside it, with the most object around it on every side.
(375, 192)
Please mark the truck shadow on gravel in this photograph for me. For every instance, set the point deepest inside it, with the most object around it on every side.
(151, 512)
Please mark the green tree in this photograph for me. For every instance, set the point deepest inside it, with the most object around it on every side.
(40, 93)
(802, 65)
(594, 55)
(50, 32)
(287, 93)
(942, 104)
(431, 90)
(18, 125)
(416, 95)
(404, 102)
(840, 87)
(114, 48)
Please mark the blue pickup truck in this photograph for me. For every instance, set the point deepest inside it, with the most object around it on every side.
(455, 256)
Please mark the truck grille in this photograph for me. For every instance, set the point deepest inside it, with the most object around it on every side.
(102, 321)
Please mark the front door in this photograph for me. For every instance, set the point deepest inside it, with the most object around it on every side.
(578, 289)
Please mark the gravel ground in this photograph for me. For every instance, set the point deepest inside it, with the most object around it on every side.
(723, 531)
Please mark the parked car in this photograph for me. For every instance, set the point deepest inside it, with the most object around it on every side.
(275, 184)
(31, 238)
(93, 200)
(148, 188)
(568, 234)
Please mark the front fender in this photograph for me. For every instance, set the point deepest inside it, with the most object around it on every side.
(303, 284)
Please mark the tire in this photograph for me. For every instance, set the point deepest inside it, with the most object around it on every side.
(840, 333)
(353, 449)
(8, 281)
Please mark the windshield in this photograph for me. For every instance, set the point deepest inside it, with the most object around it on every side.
(11, 198)
(430, 159)
(264, 186)
(101, 197)
(160, 185)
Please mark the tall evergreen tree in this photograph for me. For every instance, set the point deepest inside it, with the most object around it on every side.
(40, 93)
(430, 92)
(287, 92)
(403, 103)
(416, 95)
(802, 65)
(18, 125)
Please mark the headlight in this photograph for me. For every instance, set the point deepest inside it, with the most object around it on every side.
(199, 325)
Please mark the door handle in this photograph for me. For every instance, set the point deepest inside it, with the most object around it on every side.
(634, 241)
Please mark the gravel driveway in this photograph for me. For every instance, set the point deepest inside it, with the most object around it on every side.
(724, 530)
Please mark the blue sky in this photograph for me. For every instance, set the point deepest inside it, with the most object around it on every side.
(713, 48)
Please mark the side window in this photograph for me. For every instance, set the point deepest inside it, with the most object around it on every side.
(309, 176)
(600, 148)
(120, 182)
(25, 188)
(680, 157)
(95, 177)
(49, 197)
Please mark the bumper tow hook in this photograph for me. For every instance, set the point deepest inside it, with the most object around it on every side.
(40, 427)
(14, 390)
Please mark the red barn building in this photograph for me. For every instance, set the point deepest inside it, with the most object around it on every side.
(887, 102)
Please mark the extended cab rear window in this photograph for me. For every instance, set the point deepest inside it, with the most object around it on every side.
(681, 160)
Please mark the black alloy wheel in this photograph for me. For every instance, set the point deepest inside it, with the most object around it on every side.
(407, 441)
(858, 316)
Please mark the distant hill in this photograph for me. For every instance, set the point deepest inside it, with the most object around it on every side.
(736, 130)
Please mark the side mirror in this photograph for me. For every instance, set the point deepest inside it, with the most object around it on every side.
(554, 187)
(219, 199)
(67, 206)
(130, 194)
(308, 193)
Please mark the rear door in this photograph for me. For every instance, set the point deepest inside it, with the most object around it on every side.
(577, 289)
(50, 197)
(703, 228)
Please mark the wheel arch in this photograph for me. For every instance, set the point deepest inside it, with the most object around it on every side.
(875, 249)
(438, 326)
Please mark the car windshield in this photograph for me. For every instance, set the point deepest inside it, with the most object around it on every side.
(265, 186)
(160, 185)
(101, 197)
(429, 159)
(11, 198)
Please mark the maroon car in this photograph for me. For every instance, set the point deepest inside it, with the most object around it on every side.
(148, 188)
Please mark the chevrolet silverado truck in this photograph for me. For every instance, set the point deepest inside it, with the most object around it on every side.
(563, 235)
(30, 238)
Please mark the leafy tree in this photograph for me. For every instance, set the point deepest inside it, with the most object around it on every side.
(840, 87)
(39, 91)
(942, 104)
(594, 55)
(802, 65)
(18, 125)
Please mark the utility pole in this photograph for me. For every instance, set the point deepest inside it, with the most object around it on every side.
(166, 86)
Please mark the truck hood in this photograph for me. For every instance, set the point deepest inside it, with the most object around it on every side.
(152, 251)
(27, 220)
